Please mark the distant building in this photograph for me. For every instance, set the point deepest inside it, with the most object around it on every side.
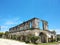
(32, 27)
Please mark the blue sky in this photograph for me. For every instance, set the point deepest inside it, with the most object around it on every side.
(14, 12)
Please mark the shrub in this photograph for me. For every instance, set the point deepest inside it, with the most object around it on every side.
(58, 39)
(18, 37)
(34, 39)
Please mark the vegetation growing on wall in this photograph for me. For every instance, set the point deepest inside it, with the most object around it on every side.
(31, 38)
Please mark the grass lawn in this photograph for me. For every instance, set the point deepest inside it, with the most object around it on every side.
(52, 43)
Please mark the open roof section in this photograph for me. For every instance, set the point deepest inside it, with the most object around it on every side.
(25, 22)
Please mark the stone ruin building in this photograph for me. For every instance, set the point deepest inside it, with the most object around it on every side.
(32, 27)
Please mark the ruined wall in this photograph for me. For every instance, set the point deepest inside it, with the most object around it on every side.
(33, 23)
(25, 29)
(30, 24)
(45, 24)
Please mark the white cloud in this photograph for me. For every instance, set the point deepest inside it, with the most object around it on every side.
(13, 21)
(3, 26)
(57, 30)
(10, 23)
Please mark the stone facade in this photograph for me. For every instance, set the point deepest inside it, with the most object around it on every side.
(32, 27)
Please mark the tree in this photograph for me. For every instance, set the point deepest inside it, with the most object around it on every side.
(1, 34)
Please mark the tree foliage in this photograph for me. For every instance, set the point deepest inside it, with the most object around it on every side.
(1, 33)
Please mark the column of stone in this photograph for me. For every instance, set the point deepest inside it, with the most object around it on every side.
(14, 28)
(18, 28)
(28, 25)
(45, 25)
(21, 27)
(46, 39)
(25, 26)
(35, 23)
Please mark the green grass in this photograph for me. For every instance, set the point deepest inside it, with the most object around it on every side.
(48, 43)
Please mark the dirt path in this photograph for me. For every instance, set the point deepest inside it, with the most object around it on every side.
(11, 42)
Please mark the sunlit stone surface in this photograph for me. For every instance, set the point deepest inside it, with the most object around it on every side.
(11, 42)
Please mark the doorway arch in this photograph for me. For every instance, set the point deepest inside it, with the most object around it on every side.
(43, 37)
